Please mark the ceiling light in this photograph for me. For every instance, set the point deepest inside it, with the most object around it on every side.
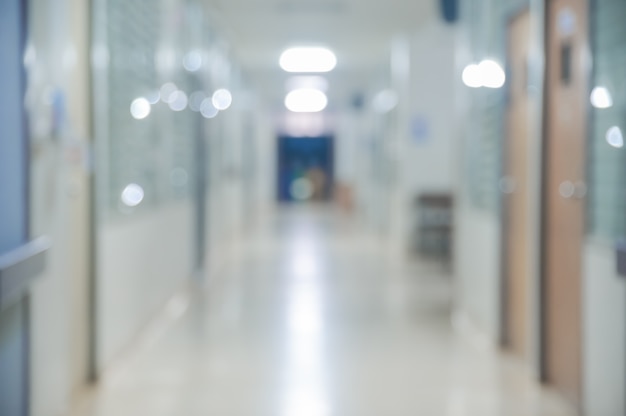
(308, 60)
(306, 101)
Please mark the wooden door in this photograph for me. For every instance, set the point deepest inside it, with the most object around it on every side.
(566, 114)
(515, 187)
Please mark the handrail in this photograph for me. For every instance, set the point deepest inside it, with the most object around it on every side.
(19, 267)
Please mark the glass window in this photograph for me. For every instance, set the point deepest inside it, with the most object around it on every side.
(607, 167)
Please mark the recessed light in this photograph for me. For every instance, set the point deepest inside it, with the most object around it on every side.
(308, 60)
(306, 100)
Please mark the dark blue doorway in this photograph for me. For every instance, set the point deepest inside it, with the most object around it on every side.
(305, 168)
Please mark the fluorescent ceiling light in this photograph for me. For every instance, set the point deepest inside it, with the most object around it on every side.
(306, 101)
(308, 59)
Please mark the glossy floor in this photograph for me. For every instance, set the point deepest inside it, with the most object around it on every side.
(310, 316)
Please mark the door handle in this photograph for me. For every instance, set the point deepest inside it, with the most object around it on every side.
(571, 190)
(507, 185)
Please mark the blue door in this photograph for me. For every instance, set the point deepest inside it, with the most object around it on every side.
(305, 161)
(13, 208)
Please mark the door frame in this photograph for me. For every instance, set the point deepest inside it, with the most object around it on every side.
(504, 210)
(27, 226)
(93, 371)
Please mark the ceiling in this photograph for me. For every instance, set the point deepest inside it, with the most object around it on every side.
(358, 31)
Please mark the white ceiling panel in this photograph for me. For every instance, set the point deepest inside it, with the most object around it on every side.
(358, 31)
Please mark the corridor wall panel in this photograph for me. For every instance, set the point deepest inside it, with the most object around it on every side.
(57, 102)
(483, 139)
(152, 60)
(607, 204)
(605, 291)
(145, 164)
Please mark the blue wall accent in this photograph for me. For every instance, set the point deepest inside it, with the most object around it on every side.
(13, 205)
(13, 210)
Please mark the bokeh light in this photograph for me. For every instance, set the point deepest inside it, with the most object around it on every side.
(222, 99)
(140, 108)
(132, 195)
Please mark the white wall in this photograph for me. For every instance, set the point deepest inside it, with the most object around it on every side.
(345, 150)
(142, 262)
(477, 231)
(57, 61)
(230, 212)
(477, 247)
(429, 156)
(425, 123)
(604, 332)
(356, 170)
(266, 163)
(381, 156)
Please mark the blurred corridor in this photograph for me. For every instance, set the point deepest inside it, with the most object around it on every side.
(312, 207)
(311, 316)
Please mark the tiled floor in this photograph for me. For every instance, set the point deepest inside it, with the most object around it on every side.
(311, 317)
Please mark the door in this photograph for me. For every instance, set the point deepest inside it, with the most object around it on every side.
(13, 208)
(514, 185)
(305, 168)
(564, 191)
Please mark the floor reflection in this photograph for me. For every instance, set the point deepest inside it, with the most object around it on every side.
(305, 382)
(311, 316)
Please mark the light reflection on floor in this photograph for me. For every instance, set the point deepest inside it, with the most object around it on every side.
(305, 384)
(312, 317)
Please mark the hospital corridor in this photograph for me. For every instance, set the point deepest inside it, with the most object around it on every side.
(312, 316)
(312, 208)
